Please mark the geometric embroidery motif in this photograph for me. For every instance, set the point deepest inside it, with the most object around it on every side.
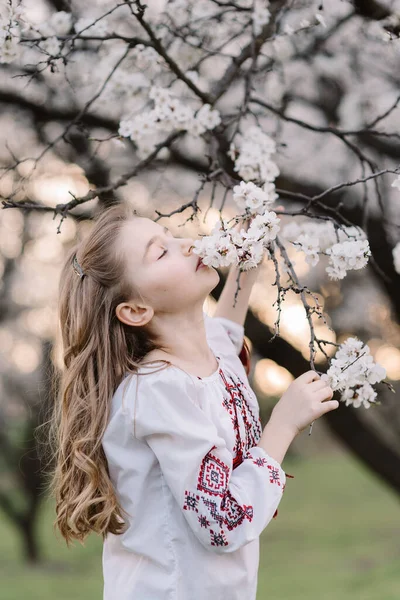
(234, 512)
(212, 506)
(235, 403)
(260, 461)
(191, 501)
(248, 511)
(203, 521)
(213, 476)
(273, 475)
(218, 539)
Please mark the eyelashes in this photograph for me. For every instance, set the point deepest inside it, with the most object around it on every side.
(165, 251)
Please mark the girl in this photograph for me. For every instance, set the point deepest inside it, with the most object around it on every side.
(159, 444)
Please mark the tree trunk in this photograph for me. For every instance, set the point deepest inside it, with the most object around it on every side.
(31, 547)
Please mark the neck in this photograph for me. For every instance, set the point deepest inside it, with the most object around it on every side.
(183, 335)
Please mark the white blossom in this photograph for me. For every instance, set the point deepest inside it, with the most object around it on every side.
(288, 30)
(310, 246)
(351, 252)
(61, 22)
(9, 49)
(396, 183)
(396, 257)
(346, 256)
(207, 117)
(51, 46)
(169, 114)
(248, 195)
(260, 16)
(226, 245)
(10, 32)
(193, 76)
(353, 372)
(252, 153)
(321, 19)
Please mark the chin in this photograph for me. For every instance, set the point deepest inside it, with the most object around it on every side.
(217, 278)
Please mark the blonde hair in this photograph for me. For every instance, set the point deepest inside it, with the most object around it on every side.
(98, 350)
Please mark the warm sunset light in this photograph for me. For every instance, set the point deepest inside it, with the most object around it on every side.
(26, 357)
(270, 378)
(55, 190)
(389, 358)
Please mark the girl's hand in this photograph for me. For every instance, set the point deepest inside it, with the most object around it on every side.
(307, 398)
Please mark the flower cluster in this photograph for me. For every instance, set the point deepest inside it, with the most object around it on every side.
(59, 23)
(260, 15)
(353, 372)
(347, 247)
(10, 34)
(226, 245)
(347, 256)
(168, 114)
(253, 199)
(251, 153)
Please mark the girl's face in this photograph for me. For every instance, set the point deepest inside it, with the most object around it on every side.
(163, 267)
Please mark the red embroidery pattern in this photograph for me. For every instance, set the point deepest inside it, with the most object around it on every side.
(218, 539)
(203, 522)
(213, 476)
(274, 475)
(213, 480)
(235, 513)
(234, 400)
(212, 506)
(248, 510)
(191, 501)
(261, 462)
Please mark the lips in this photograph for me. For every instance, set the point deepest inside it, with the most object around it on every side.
(199, 263)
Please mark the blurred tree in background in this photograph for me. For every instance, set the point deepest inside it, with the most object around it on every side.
(320, 78)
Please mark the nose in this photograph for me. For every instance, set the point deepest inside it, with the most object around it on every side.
(188, 246)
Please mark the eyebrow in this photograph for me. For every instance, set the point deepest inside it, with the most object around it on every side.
(152, 240)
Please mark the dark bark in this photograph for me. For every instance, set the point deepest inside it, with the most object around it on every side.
(370, 9)
(31, 547)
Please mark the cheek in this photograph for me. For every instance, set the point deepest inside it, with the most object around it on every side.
(172, 277)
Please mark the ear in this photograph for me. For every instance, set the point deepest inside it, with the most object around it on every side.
(134, 314)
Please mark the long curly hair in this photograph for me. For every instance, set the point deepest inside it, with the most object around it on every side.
(98, 350)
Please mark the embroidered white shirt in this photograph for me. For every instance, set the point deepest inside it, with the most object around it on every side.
(184, 461)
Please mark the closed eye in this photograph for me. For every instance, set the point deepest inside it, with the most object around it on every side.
(163, 254)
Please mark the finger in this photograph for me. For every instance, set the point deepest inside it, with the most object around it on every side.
(317, 385)
(330, 405)
(324, 394)
(309, 376)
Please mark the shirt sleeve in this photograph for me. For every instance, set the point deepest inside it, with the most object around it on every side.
(227, 334)
(224, 508)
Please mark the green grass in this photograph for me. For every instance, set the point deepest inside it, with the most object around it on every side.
(336, 537)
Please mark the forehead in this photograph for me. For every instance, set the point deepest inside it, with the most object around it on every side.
(135, 234)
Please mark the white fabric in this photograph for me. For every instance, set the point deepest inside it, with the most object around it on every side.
(198, 495)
